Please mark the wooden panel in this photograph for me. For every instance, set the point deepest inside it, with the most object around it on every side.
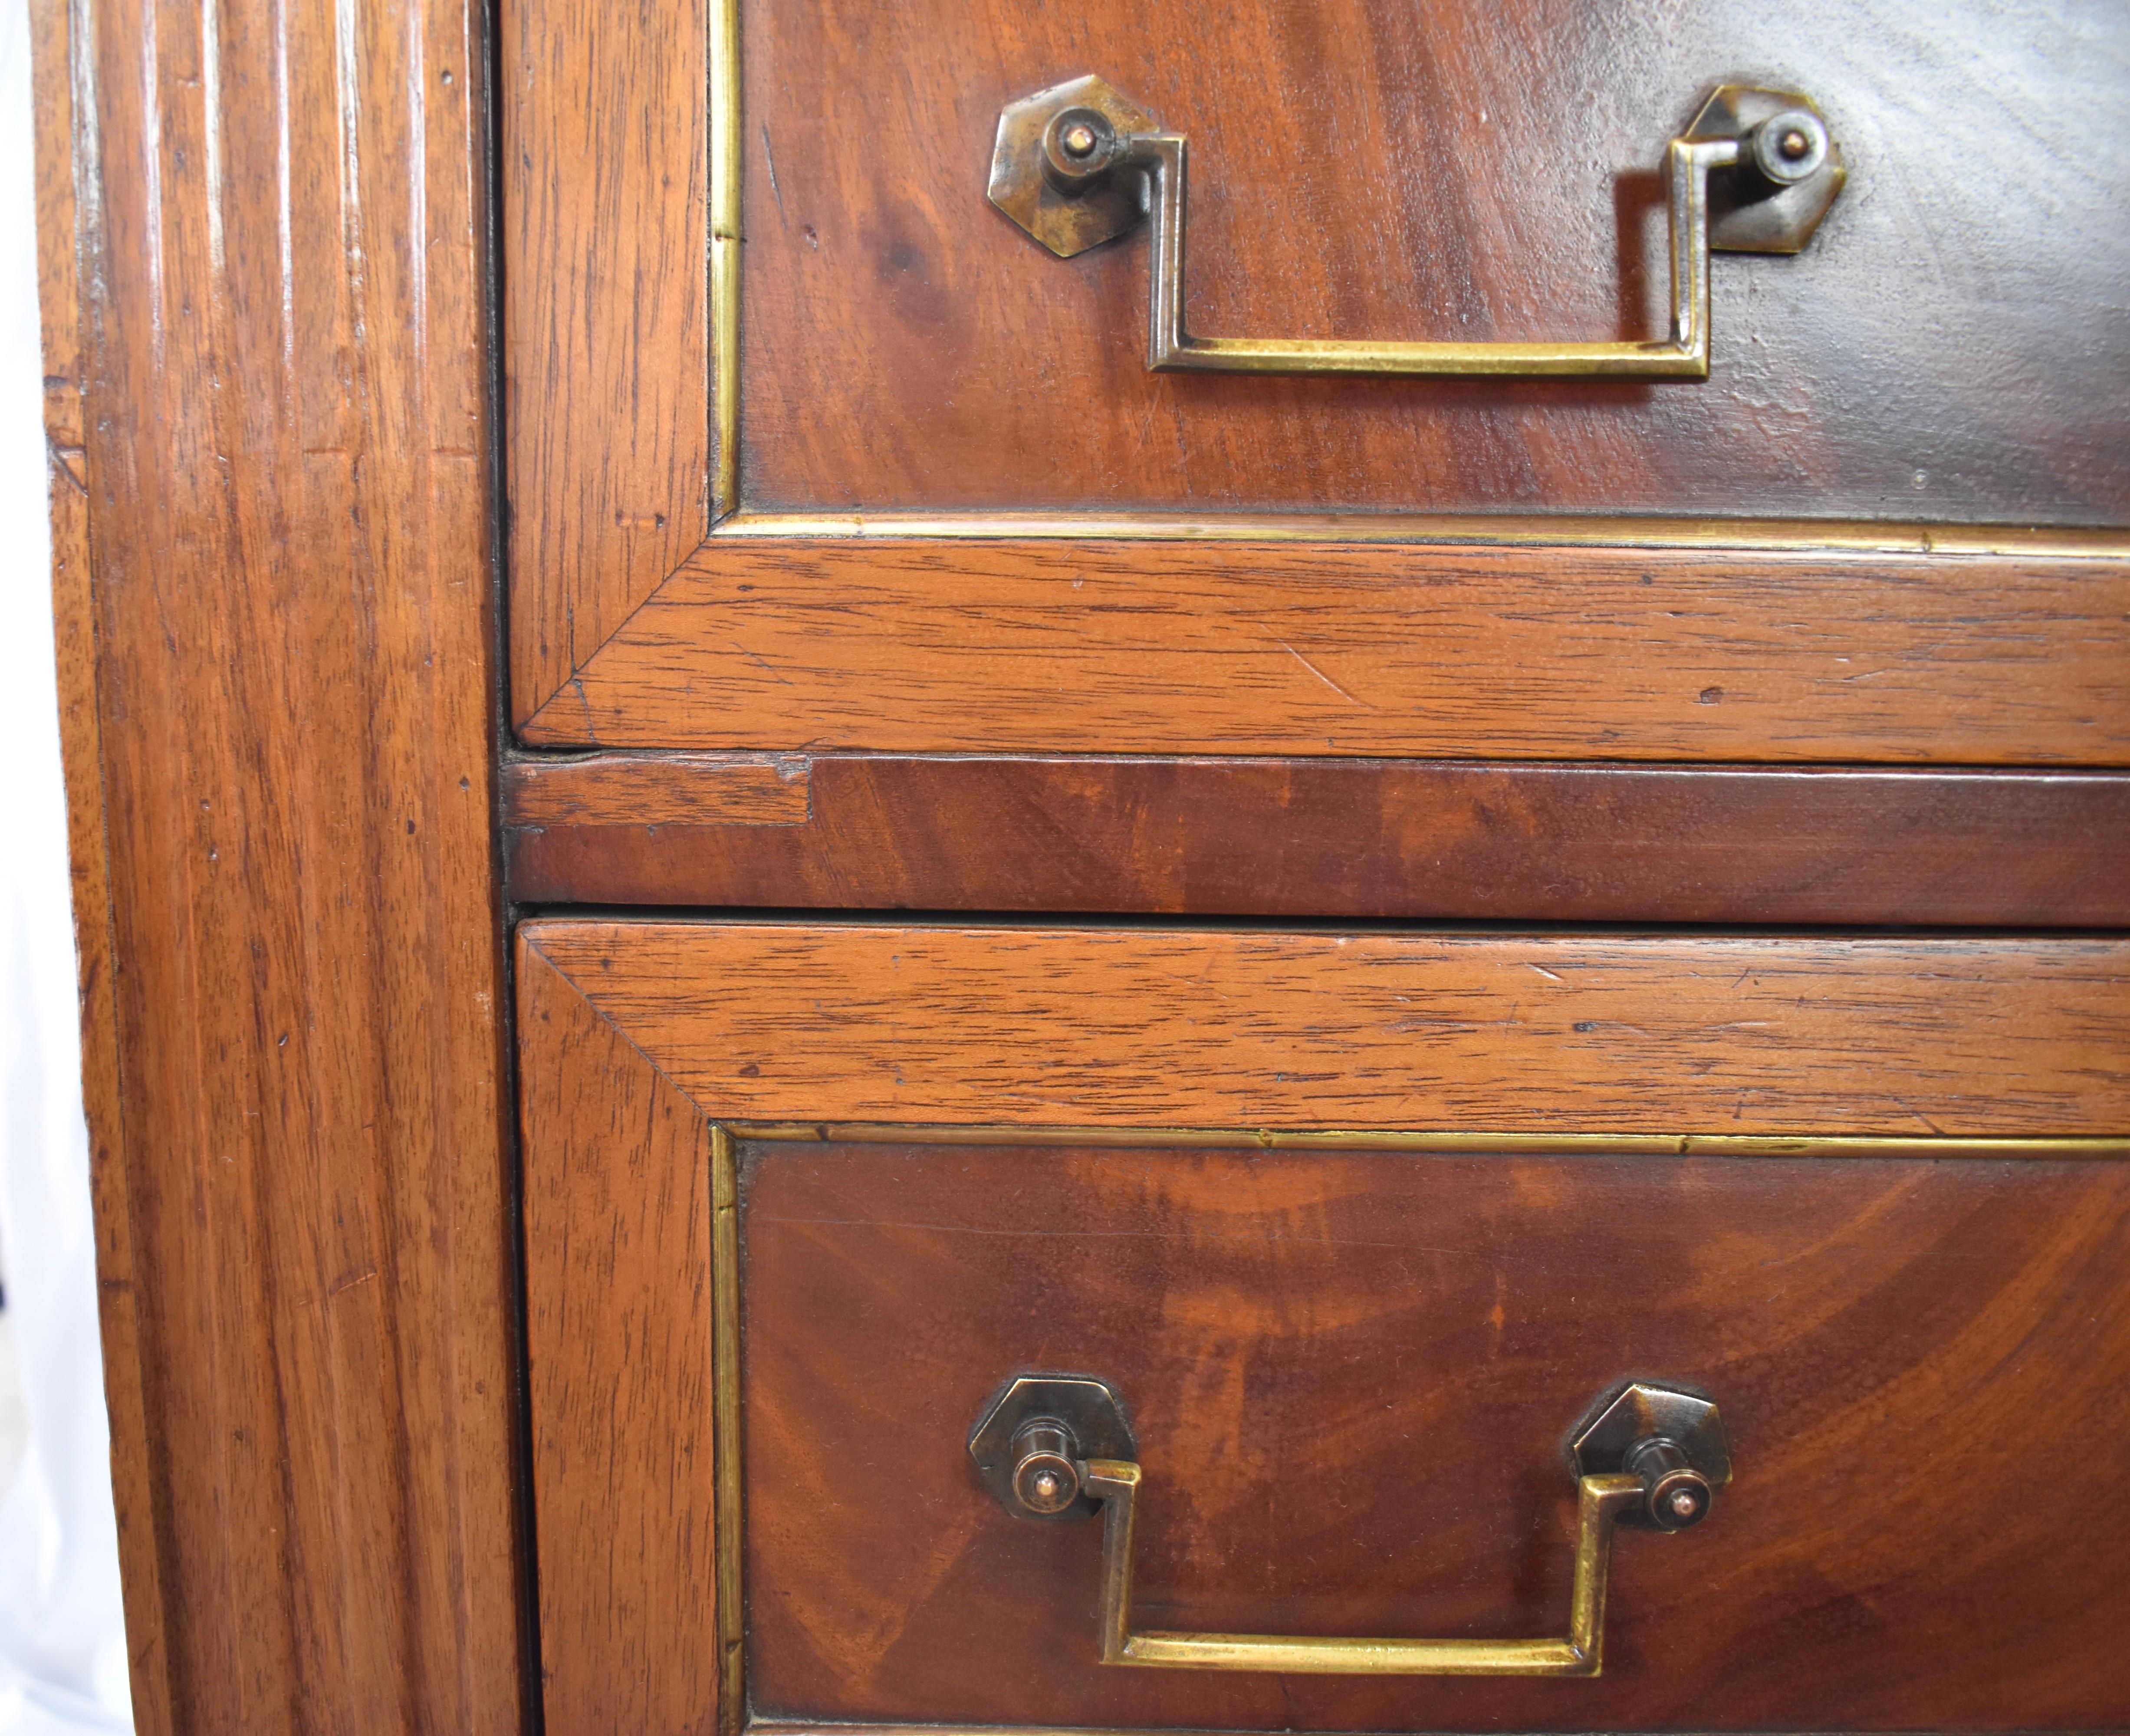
(1351, 1376)
(1659, 1034)
(940, 645)
(281, 783)
(53, 34)
(1333, 838)
(604, 157)
(1375, 169)
(618, 1271)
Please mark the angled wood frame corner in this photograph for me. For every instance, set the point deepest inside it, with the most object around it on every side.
(629, 532)
(632, 1258)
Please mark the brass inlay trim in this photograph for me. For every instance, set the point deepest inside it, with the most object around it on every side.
(725, 1433)
(725, 219)
(1804, 536)
(730, 518)
(1559, 1145)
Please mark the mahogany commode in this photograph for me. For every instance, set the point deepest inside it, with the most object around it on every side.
(947, 606)
(1120, 1024)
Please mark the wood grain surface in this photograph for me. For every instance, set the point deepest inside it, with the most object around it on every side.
(604, 156)
(643, 792)
(1122, 1027)
(1351, 1376)
(618, 1283)
(948, 645)
(1946, 347)
(1351, 1373)
(281, 786)
(1323, 838)
(906, 349)
(53, 34)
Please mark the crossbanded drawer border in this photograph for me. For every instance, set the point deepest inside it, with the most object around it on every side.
(594, 663)
(631, 1195)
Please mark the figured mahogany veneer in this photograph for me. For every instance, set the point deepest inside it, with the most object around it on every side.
(1322, 838)
(1378, 168)
(1350, 1375)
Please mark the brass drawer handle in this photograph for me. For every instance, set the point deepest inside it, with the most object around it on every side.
(1078, 165)
(1052, 1446)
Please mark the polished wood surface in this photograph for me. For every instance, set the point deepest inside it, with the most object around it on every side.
(618, 1328)
(1941, 355)
(1322, 838)
(1663, 1034)
(53, 34)
(602, 156)
(1351, 1376)
(281, 788)
(1304, 1337)
(1953, 344)
(929, 645)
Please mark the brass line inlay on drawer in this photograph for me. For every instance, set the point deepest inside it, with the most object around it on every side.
(729, 1534)
(728, 515)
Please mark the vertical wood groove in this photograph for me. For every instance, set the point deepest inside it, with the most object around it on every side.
(280, 221)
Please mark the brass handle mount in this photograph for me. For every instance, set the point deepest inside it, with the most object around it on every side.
(1080, 164)
(1059, 1446)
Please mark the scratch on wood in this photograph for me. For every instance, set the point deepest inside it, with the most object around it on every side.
(1353, 699)
(769, 163)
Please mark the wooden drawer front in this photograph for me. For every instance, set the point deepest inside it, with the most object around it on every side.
(891, 477)
(800, 1196)
(1351, 1376)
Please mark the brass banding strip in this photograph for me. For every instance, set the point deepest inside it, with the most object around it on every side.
(1561, 1145)
(725, 1433)
(725, 220)
(1803, 536)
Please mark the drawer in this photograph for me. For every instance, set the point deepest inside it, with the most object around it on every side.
(812, 444)
(1365, 1237)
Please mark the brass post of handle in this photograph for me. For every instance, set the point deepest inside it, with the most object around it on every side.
(1079, 164)
(1056, 1446)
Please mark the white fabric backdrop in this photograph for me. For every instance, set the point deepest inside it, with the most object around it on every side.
(62, 1637)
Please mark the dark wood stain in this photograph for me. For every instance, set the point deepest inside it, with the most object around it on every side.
(1324, 837)
(1363, 168)
(1352, 1375)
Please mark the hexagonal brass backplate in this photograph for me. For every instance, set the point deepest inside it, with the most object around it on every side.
(1642, 1409)
(1065, 223)
(1780, 221)
(1088, 1410)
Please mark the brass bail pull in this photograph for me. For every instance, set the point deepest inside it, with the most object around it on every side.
(1058, 1446)
(1080, 164)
